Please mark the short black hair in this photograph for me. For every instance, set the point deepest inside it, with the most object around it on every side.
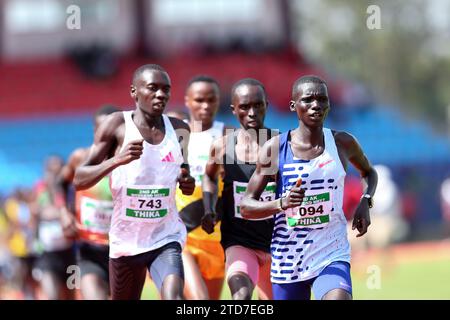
(307, 79)
(203, 78)
(248, 82)
(153, 67)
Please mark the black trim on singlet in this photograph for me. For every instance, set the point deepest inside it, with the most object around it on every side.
(236, 231)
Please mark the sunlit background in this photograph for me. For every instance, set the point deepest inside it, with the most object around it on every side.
(388, 83)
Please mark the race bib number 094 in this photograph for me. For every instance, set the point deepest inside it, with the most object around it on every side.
(314, 212)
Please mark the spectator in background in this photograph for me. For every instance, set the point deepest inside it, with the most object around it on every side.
(352, 195)
(22, 222)
(58, 252)
(388, 224)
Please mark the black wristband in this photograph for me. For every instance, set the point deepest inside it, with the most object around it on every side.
(209, 202)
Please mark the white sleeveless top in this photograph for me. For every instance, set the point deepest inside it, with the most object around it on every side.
(198, 149)
(145, 217)
(308, 238)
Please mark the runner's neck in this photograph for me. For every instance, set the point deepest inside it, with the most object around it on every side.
(308, 136)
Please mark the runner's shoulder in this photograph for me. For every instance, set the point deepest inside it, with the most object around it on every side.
(344, 138)
(273, 141)
(115, 118)
(112, 125)
(345, 141)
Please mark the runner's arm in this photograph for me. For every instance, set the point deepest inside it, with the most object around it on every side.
(359, 160)
(210, 184)
(183, 134)
(211, 176)
(185, 181)
(68, 220)
(356, 156)
(101, 160)
(67, 174)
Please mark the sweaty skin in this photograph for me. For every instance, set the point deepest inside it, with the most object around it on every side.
(249, 105)
(202, 99)
(150, 91)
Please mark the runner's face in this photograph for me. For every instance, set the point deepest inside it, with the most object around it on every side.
(249, 105)
(202, 99)
(311, 103)
(152, 92)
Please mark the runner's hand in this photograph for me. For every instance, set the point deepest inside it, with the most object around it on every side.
(187, 183)
(361, 219)
(208, 222)
(69, 224)
(132, 151)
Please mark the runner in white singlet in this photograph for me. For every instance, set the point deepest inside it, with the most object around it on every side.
(203, 256)
(143, 151)
(86, 218)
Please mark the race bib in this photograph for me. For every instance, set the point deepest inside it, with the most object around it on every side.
(95, 215)
(239, 189)
(198, 169)
(146, 203)
(51, 235)
(314, 212)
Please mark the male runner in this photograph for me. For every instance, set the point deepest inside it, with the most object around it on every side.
(309, 247)
(143, 151)
(203, 256)
(246, 243)
(90, 224)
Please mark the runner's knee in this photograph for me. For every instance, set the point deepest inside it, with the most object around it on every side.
(337, 294)
(241, 286)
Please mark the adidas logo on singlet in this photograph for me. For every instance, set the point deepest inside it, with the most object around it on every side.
(168, 158)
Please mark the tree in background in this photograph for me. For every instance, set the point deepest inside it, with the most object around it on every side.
(406, 62)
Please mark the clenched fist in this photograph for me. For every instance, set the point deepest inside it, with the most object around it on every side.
(132, 151)
(187, 183)
(294, 197)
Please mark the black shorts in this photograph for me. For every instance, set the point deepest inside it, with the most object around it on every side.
(127, 274)
(57, 262)
(93, 259)
(28, 261)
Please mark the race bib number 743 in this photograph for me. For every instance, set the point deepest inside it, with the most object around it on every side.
(146, 203)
